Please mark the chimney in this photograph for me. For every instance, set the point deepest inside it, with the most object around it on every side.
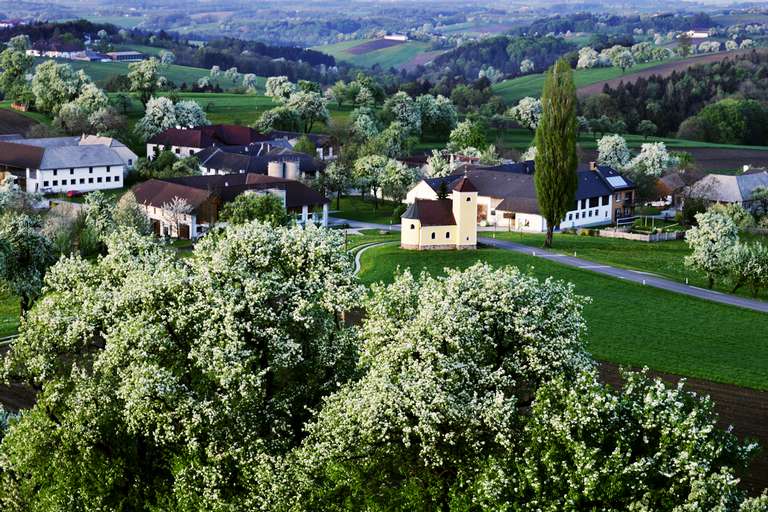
(592, 166)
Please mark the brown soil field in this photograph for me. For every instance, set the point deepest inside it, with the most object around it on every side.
(744, 409)
(372, 46)
(13, 122)
(712, 160)
(664, 69)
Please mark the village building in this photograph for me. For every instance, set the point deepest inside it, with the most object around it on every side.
(206, 195)
(507, 197)
(729, 189)
(64, 164)
(430, 224)
(189, 141)
(275, 158)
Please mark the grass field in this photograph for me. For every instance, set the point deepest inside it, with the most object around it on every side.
(9, 314)
(394, 56)
(120, 21)
(103, 71)
(354, 208)
(664, 259)
(530, 85)
(628, 323)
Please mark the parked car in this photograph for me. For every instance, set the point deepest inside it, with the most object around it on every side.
(74, 193)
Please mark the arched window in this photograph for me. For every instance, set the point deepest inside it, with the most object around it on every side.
(433, 235)
(469, 199)
(447, 234)
(413, 226)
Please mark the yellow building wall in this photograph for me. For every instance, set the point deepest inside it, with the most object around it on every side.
(444, 237)
(410, 234)
(465, 213)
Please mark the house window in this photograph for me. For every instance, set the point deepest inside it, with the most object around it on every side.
(178, 151)
(82, 180)
(469, 199)
(55, 171)
(577, 215)
(71, 171)
(108, 168)
(90, 170)
(605, 199)
(594, 202)
(117, 178)
(90, 180)
(45, 183)
(590, 213)
(433, 235)
(98, 180)
(447, 234)
(629, 197)
(493, 212)
(130, 161)
(570, 216)
(617, 196)
(413, 226)
(109, 178)
(55, 183)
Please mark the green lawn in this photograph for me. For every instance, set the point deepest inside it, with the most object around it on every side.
(9, 314)
(354, 208)
(664, 259)
(368, 236)
(530, 85)
(393, 56)
(629, 324)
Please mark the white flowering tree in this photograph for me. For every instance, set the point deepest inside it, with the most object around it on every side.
(174, 213)
(402, 108)
(91, 99)
(232, 74)
(588, 58)
(439, 165)
(623, 59)
(368, 172)
(467, 134)
(189, 114)
(128, 213)
(711, 243)
(527, 66)
(731, 45)
(748, 266)
(167, 57)
(364, 123)
(55, 84)
(279, 88)
(177, 381)
(15, 199)
(310, 107)
(644, 447)
(652, 160)
(398, 179)
(250, 82)
(25, 255)
(527, 112)
(612, 150)
(446, 365)
(438, 113)
(159, 115)
(145, 78)
(529, 154)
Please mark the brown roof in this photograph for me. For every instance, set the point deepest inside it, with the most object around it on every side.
(431, 212)
(519, 204)
(670, 183)
(159, 192)
(197, 189)
(464, 185)
(204, 136)
(20, 155)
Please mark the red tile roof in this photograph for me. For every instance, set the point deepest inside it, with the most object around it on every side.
(431, 212)
(464, 185)
(205, 136)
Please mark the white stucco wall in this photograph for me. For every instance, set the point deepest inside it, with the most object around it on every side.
(81, 179)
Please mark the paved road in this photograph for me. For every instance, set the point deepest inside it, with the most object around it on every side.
(634, 276)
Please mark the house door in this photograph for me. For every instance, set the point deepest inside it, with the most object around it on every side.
(184, 231)
(156, 227)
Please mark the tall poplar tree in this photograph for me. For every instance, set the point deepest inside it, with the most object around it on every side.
(555, 140)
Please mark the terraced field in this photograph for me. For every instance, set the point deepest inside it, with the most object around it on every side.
(372, 52)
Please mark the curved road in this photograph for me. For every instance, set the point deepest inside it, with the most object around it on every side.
(634, 276)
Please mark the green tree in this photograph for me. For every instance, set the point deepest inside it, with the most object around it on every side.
(56, 84)
(336, 178)
(647, 128)
(25, 255)
(145, 78)
(306, 146)
(555, 140)
(247, 207)
(15, 64)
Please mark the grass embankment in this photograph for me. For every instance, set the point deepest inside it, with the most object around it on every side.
(9, 314)
(664, 259)
(629, 324)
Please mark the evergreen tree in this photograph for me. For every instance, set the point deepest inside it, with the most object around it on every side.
(556, 159)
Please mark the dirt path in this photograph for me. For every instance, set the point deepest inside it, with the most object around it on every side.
(745, 409)
(664, 69)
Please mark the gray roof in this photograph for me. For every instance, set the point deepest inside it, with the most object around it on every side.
(79, 156)
(49, 142)
(728, 189)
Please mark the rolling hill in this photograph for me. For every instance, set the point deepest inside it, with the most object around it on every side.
(371, 52)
